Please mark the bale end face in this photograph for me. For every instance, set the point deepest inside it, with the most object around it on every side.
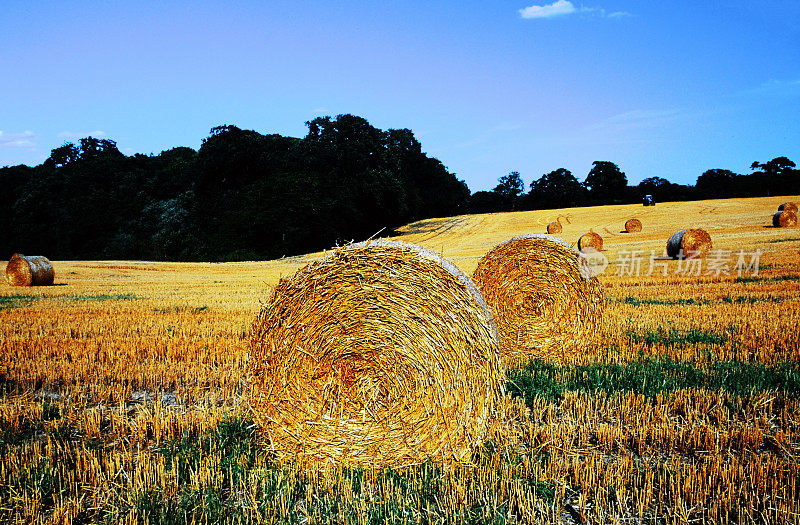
(33, 270)
(544, 299)
(378, 354)
(788, 206)
(554, 227)
(784, 219)
(689, 244)
(590, 240)
(633, 225)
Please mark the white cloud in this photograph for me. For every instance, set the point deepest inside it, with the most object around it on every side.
(72, 136)
(560, 7)
(565, 7)
(26, 139)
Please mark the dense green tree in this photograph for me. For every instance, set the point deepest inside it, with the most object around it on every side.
(606, 183)
(557, 189)
(715, 183)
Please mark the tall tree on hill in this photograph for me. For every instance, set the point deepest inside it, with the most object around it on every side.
(557, 189)
(509, 188)
(606, 183)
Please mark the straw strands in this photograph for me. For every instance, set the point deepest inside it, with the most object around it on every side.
(543, 296)
(784, 219)
(788, 206)
(633, 225)
(381, 353)
(32, 270)
(554, 227)
(692, 243)
(590, 240)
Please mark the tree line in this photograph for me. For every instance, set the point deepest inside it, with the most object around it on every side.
(245, 195)
(607, 184)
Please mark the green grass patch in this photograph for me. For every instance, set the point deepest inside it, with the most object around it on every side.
(9, 302)
(787, 239)
(181, 309)
(758, 279)
(673, 337)
(663, 302)
(407, 496)
(650, 377)
(102, 297)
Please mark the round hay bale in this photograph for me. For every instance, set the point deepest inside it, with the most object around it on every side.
(633, 225)
(543, 296)
(381, 353)
(29, 270)
(590, 240)
(784, 219)
(689, 244)
(788, 206)
(554, 227)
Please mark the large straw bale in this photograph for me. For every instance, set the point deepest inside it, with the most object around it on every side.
(380, 353)
(784, 219)
(590, 240)
(29, 270)
(690, 244)
(788, 206)
(554, 227)
(633, 225)
(544, 298)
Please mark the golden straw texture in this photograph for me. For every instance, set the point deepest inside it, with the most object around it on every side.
(690, 244)
(590, 240)
(633, 225)
(33, 270)
(784, 219)
(788, 206)
(545, 301)
(554, 227)
(381, 353)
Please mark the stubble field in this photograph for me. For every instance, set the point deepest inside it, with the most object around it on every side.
(122, 396)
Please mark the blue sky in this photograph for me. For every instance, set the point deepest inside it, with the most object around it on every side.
(665, 89)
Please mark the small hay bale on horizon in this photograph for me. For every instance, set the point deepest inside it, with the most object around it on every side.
(554, 227)
(692, 243)
(543, 296)
(381, 353)
(788, 206)
(590, 240)
(784, 219)
(633, 225)
(29, 270)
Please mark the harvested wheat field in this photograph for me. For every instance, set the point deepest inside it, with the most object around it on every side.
(123, 392)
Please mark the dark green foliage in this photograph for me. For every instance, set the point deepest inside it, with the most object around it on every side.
(243, 195)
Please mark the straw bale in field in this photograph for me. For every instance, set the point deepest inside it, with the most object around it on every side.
(784, 219)
(788, 206)
(691, 243)
(381, 353)
(29, 270)
(554, 227)
(590, 240)
(633, 225)
(543, 296)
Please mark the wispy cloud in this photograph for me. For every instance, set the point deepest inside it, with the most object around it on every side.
(558, 8)
(72, 136)
(565, 7)
(26, 139)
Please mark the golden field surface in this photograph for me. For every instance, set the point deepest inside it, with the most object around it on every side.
(123, 399)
